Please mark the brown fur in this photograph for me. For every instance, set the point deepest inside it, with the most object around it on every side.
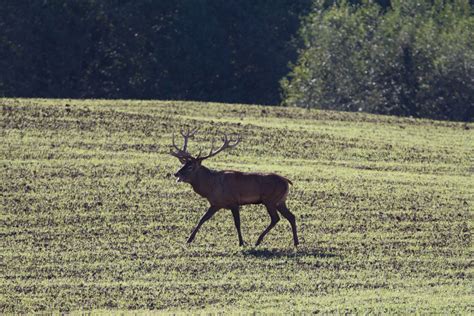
(230, 189)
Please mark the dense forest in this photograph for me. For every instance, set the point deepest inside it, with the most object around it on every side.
(261, 52)
(227, 51)
(415, 58)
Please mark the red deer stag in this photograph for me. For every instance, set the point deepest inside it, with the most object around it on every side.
(231, 189)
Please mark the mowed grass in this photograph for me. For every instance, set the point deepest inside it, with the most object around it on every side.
(92, 218)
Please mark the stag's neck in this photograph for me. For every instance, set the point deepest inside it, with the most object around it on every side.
(202, 182)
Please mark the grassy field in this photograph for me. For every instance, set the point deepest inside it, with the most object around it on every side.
(92, 218)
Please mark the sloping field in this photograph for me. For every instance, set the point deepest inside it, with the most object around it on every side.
(92, 218)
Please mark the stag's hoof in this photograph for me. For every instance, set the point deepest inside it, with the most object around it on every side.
(190, 239)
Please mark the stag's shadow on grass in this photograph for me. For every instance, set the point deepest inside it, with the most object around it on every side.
(288, 253)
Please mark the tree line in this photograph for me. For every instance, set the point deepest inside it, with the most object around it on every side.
(412, 58)
(392, 57)
(226, 51)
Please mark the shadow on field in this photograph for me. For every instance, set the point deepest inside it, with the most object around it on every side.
(293, 253)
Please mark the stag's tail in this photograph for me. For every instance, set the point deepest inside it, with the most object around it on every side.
(281, 200)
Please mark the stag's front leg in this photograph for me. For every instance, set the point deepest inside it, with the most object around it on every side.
(210, 212)
(236, 214)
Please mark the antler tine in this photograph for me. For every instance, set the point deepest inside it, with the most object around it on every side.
(182, 154)
(227, 143)
(212, 148)
(189, 132)
(236, 141)
(186, 135)
(174, 144)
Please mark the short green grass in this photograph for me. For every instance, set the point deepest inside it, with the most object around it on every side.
(92, 218)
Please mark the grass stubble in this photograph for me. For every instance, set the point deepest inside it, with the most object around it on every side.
(92, 219)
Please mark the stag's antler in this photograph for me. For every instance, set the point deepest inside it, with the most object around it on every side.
(182, 154)
(228, 143)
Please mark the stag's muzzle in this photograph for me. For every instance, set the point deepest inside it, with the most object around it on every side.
(179, 179)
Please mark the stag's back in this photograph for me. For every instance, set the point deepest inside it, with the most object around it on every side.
(239, 188)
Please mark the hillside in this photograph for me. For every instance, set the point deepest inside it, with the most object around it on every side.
(92, 218)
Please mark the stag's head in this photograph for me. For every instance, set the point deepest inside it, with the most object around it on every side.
(191, 164)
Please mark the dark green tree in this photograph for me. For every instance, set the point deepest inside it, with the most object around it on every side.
(229, 51)
(415, 58)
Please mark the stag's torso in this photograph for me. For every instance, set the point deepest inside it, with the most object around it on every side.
(231, 188)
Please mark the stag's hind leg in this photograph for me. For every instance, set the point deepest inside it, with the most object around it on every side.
(274, 220)
(285, 212)
(236, 215)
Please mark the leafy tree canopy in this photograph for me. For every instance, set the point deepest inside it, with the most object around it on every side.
(228, 51)
(414, 59)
